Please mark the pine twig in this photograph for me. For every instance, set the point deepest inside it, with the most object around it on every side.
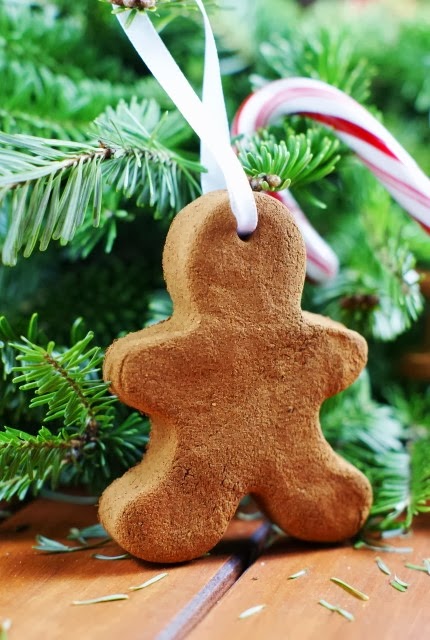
(53, 186)
(141, 5)
(93, 442)
(296, 161)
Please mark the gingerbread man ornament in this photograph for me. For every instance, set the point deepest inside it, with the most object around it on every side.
(233, 383)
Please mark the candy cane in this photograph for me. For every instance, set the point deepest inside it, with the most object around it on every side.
(322, 263)
(372, 143)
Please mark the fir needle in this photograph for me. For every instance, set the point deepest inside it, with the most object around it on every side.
(5, 626)
(327, 605)
(299, 574)
(256, 515)
(346, 614)
(111, 598)
(416, 567)
(382, 566)
(251, 611)
(352, 590)
(100, 556)
(401, 582)
(53, 546)
(331, 607)
(398, 586)
(148, 583)
(362, 544)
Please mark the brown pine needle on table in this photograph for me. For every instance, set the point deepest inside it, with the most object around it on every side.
(298, 574)
(101, 556)
(148, 583)
(401, 582)
(382, 566)
(251, 611)
(418, 567)
(398, 584)
(332, 607)
(352, 590)
(110, 598)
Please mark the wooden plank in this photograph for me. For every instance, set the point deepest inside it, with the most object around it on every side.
(36, 590)
(292, 609)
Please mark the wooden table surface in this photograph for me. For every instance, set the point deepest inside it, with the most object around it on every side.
(291, 606)
(203, 599)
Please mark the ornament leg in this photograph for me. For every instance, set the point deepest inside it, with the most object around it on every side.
(322, 500)
(170, 516)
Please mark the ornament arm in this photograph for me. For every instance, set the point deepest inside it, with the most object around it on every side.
(145, 368)
(340, 352)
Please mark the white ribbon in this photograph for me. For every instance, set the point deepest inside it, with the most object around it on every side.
(207, 117)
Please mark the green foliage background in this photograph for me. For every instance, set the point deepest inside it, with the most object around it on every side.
(91, 174)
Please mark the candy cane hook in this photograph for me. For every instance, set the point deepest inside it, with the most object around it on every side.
(353, 124)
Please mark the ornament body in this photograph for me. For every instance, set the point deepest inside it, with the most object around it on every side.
(233, 383)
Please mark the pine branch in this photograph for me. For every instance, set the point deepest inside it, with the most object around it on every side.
(109, 292)
(144, 161)
(52, 36)
(372, 437)
(324, 55)
(18, 120)
(13, 403)
(419, 501)
(51, 184)
(296, 161)
(378, 292)
(87, 236)
(66, 382)
(352, 423)
(49, 190)
(27, 461)
(412, 407)
(94, 442)
(71, 103)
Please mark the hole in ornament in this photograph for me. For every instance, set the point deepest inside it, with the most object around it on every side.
(245, 237)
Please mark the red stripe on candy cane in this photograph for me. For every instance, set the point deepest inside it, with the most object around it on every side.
(345, 126)
(322, 262)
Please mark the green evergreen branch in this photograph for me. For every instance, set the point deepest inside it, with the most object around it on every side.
(372, 437)
(324, 55)
(17, 120)
(352, 423)
(94, 442)
(66, 381)
(87, 236)
(33, 91)
(144, 161)
(160, 307)
(412, 407)
(49, 36)
(51, 184)
(49, 190)
(27, 461)
(419, 501)
(378, 292)
(296, 161)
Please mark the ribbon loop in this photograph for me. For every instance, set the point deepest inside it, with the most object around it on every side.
(207, 117)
